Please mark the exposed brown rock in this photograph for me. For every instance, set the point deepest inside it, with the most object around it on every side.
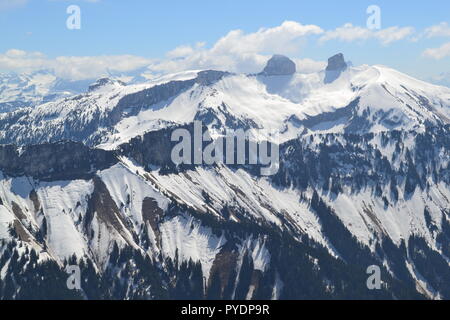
(224, 264)
(21, 231)
(35, 199)
(18, 212)
(153, 214)
(102, 204)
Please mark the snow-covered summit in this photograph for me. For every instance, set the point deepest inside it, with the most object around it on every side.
(361, 99)
(105, 84)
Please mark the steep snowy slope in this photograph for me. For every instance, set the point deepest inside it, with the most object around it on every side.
(87, 218)
(383, 197)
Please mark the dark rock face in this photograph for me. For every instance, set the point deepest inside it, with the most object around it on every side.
(336, 65)
(279, 65)
(103, 82)
(103, 206)
(209, 77)
(153, 148)
(55, 161)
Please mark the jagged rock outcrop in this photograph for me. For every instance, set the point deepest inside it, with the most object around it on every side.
(336, 65)
(56, 161)
(279, 65)
(103, 82)
(153, 148)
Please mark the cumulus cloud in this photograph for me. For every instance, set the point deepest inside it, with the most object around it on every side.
(393, 34)
(15, 59)
(184, 51)
(439, 30)
(438, 53)
(349, 33)
(283, 37)
(239, 51)
(236, 52)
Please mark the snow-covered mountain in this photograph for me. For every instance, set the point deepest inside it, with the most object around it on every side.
(363, 180)
(31, 89)
(362, 99)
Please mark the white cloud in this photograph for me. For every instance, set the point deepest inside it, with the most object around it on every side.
(439, 30)
(183, 51)
(239, 51)
(349, 33)
(438, 53)
(283, 37)
(21, 60)
(393, 34)
(309, 65)
(236, 52)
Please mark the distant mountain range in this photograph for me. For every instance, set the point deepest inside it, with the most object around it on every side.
(443, 79)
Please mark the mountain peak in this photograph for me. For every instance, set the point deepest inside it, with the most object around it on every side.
(209, 77)
(102, 82)
(336, 65)
(279, 65)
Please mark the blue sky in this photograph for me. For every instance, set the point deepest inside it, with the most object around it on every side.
(143, 29)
